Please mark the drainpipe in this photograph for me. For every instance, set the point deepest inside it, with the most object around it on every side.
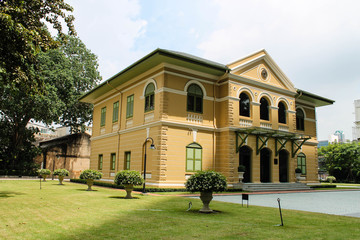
(214, 115)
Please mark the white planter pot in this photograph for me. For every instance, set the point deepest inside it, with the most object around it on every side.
(297, 175)
(241, 176)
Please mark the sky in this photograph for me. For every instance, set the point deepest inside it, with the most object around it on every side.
(315, 43)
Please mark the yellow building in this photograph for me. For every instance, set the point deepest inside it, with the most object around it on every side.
(204, 115)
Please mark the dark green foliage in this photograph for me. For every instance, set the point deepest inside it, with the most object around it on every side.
(67, 72)
(206, 181)
(342, 161)
(61, 172)
(241, 168)
(112, 185)
(90, 174)
(24, 35)
(323, 186)
(128, 177)
(297, 170)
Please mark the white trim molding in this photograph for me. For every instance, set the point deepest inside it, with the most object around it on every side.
(246, 90)
(197, 83)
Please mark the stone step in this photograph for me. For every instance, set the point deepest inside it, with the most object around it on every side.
(256, 187)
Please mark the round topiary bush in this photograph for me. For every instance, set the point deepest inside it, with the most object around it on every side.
(44, 173)
(90, 175)
(206, 182)
(128, 178)
(61, 173)
(297, 170)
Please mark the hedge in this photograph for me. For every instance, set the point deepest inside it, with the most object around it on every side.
(151, 189)
(323, 186)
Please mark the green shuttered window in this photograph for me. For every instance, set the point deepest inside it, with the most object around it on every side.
(149, 97)
(100, 163)
(194, 99)
(103, 117)
(301, 163)
(112, 161)
(193, 157)
(127, 161)
(115, 112)
(130, 106)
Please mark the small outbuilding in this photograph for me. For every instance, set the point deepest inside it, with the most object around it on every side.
(71, 152)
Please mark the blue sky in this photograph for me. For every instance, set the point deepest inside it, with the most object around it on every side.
(316, 43)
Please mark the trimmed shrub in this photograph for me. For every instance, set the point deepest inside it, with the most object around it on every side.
(241, 168)
(297, 170)
(61, 172)
(90, 174)
(323, 186)
(206, 181)
(44, 171)
(128, 177)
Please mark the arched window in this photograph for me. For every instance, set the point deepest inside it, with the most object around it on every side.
(194, 99)
(264, 109)
(149, 97)
(301, 163)
(282, 112)
(244, 105)
(300, 120)
(193, 157)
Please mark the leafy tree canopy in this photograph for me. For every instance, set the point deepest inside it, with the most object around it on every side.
(342, 161)
(67, 72)
(24, 35)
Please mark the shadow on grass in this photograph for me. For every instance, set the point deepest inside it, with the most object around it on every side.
(85, 190)
(118, 197)
(6, 194)
(164, 218)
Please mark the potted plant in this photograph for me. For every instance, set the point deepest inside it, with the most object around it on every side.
(206, 182)
(44, 173)
(61, 173)
(297, 174)
(128, 178)
(330, 179)
(241, 171)
(90, 176)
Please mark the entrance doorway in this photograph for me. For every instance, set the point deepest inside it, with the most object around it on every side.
(283, 166)
(265, 165)
(245, 159)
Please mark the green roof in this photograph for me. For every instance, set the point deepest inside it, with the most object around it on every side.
(317, 100)
(185, 60)
(151, 60)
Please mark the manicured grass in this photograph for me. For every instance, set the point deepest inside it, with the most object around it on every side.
(70, 212)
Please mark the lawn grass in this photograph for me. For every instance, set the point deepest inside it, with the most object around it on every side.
(70, 212)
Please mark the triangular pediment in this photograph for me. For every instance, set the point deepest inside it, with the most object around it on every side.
(260, 67)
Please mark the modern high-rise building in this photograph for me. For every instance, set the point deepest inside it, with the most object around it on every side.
(356, 128)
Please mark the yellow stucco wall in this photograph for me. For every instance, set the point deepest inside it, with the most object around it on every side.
(173, 128)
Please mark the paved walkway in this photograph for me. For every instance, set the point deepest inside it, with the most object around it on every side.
(346, 203)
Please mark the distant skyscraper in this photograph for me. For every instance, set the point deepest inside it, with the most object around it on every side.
(356, 128)
(337, 137)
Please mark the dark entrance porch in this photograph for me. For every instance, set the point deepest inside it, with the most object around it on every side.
(265, 168)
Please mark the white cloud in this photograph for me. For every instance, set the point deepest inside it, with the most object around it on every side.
(314, 42)
(110, 30)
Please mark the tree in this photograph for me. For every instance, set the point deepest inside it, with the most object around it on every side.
(70, 71)
(342, 161)
(66, 72)
(24, 35)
